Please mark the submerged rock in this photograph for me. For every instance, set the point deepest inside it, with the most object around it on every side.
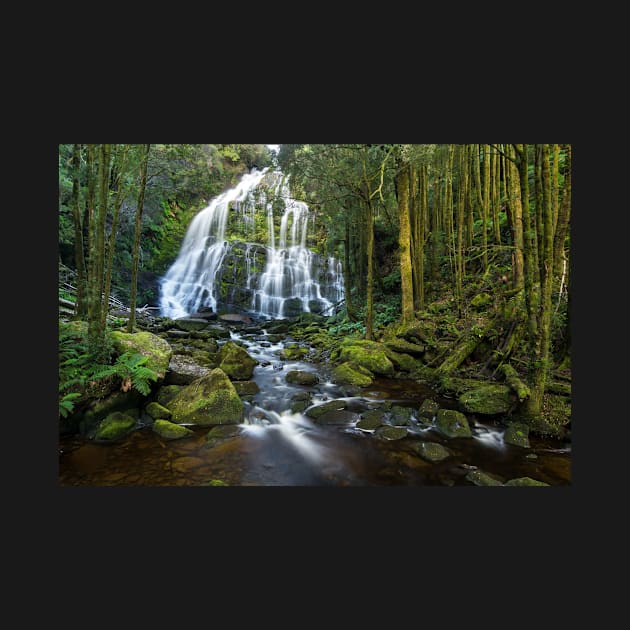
(114, 427)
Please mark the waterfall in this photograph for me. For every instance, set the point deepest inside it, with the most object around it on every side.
(294, 280)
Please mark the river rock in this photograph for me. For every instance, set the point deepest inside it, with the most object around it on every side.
(480, 478)
(246, 388)
(170, 431)
(235, 361)
(190, 323)
(400, 416)
(183, 370)
(300, 401)
(369, 354)
(293, 352)
(207, 401)
(517, 433)
(487, 399)
(371, 420)
(452, 424)
(350, 373)
(338, 416)
(166, 393)
(428, 409)
(320, 409)
(431, 451)
(300, 377)
(157, 350)
(114, 427)
(157, 411)
(525, 481)
(391, 433)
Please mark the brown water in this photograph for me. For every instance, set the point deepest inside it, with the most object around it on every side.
(288, 449)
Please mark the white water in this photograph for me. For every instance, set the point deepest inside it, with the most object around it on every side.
(190, 282)
(291, 271)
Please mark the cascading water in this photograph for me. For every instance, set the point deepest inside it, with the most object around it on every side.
(273, 282)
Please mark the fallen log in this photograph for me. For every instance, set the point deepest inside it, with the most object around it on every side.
(513, 380)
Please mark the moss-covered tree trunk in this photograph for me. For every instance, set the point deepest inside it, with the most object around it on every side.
(404, 243)
(516, 207)
(480, 205)
(496, 201)
(136, 241)
(486, 194)
(369, 303)
(346, 271)
(81, 304)
(564, 215)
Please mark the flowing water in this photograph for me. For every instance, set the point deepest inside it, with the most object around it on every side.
(276, 447)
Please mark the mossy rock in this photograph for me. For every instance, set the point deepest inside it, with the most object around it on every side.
(400, 416)
(223, 432)
(369, 354)
(217, 482)
(167, 393)
(337, 416)
(403, 346)
(207, 401)
(100, 408)
(183, 370)
(115, 427)
(235, 361)
(217, 331)
(428, 409)
(350, 373)
(418, 332)
(481, 300)
(431, 451)
(480, 478)
(300, 377)
(453, 385)
(246, 388)
(391, 433)
(205, 359)
(170, 431)
(525, 481)
(517, 434)
(320, 409)
(371, 420)
(157, 350)
(402, 362)
(452, 424)
(293, 352)
(556, 415)
(191, 324)
(487, 399)
(157, 411)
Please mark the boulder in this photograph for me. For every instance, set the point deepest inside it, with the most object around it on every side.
(371, 420)
(235, 361)
(157, 411)
(391, 433)
(114, 427)
(480, 478)
(405, 347)
(337, 416)
(157, 350)
(191, 323)
(368, 354)
(318, 410)
(171, 431)
(517, 433)
(183, 370)
(525, 481)
(428, 409)
(350, 373)
(246, 388)
(487, 399)
(431, 451)
(300, 377)
(452, 424)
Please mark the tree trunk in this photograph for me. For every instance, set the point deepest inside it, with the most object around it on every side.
(514, 196)
(564, 214)
(404, 241)
(346, 272)
(136, 241)
(81, 305)
(369, 319)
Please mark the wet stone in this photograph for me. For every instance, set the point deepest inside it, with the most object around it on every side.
(431, 451)
(428, 409)
(391, 433)
(480, 478)
(337, 417)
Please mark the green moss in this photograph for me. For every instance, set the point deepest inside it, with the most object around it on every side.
(209, 400)
(171, 431)
(525, 481)
(517, 434)
(167, 392)
(349, 373)
(320, 409)
(368, 354)
(217, 482)
(431, 451)
(391, 433)
(481, 300)
(299, 377)
(157, 350)
(157, 411)
(293, 352)
(480, 478)
(115, 426)
(452, 423)
(235, 361)
(487, 399)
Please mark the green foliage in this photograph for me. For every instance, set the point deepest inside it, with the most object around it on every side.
(130, 367)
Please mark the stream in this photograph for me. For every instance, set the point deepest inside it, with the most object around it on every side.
(277, 447)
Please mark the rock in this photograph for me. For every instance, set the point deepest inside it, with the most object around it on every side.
(391, 433)
(183, 370)
(236, 317)
(300, 401)
(319, 409)
(225, 431)
(339, 416)
(171, 431)
(517, 434)
(403, 362)
(350, 373)
(371, 420)
(185, 464)
(431, 451)
(246, 388)
(368, 354)
(157, 350)
(480, 478)
(235, 361)
(293, 352)
(418, 332)
(452, 424)
(157, 411)
(190, 323)
(480, 301)
(100, 408)
(217, 331)
(114, 427)
(400, 416)
(525, 481)
(202, 314)
(207, 401)
(178, 334)
(405, 347)
(487, 399)
(299, 377)
(166, 393)
(428, 409)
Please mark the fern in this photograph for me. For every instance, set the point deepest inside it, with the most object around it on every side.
(130, 367)
(66, 404)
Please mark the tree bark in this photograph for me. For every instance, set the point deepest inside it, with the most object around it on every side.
(404, 240)
(81, 305)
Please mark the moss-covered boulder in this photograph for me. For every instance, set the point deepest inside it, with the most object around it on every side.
(391, 433)
(300, 401)
(554, 419)
(167, 393)
(246, 388)
(293, 352)
(428, 409)
(517, 433)
(225, 431)
(400, 361)
(171, 431)
(418, 332)
(452, 424)
(480, 478)
(157, 411)
(431, 451)
(99, 408)
(115, 427)
(300, 377)
(368, 354)
(183, 370)
(371, 420)
(207, 401)
(525, 481)
(157, 350)
(487, 399)
(405, 347)
(400, 416)
(337, 416)
(350, 373)
(235, 361)
(320, 409)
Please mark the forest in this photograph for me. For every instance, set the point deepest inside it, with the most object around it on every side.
(314, 314)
